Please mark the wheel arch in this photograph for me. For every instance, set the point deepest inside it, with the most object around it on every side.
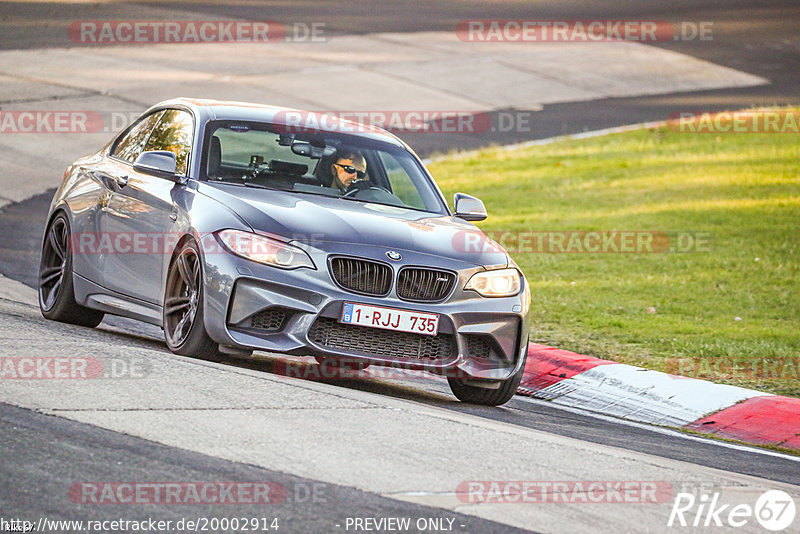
(61, 207)
(172, 254)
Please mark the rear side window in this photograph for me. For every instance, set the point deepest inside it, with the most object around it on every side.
(174, 132)
(133, 143)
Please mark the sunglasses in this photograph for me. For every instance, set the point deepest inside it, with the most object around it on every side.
(349, 169)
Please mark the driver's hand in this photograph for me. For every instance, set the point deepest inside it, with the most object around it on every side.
(358, 185)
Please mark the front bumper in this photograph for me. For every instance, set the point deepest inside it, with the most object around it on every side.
(254, 306)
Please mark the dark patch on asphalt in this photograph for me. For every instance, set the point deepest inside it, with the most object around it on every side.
(22, 227)
(44, 456)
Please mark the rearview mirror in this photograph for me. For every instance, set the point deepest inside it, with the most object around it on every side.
(304, 148)
(160, 163)
(469, 208)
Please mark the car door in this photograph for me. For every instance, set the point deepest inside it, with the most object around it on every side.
(140, 210)
(102, 179)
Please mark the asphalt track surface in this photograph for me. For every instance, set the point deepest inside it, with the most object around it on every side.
(50, 452)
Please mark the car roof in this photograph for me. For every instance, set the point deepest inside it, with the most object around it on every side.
(206, 110)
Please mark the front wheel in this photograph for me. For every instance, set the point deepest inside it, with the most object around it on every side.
(485, 396)
(183, 306)
(56, 289)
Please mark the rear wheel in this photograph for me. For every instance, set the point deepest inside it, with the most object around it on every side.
(184, 329)
(466, 392)
(56, 289)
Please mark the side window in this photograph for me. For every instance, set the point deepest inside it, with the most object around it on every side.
(401, 183)
(130, 146)
(174, 132)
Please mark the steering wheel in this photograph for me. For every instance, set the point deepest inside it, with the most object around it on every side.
(363, 185)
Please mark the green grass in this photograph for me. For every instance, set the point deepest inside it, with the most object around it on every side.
(741, 189)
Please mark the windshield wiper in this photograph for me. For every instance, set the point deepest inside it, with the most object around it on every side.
(260, 186)
(363, 201)
(250, 184)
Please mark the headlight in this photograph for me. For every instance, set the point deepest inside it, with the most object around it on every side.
(265, 250)
(499, 283)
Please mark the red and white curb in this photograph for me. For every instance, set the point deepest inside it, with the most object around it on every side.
(637, 394)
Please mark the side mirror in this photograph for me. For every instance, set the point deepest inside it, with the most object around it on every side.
(469, 208)
(160, 163)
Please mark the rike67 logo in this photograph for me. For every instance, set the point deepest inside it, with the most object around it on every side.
(774, 510)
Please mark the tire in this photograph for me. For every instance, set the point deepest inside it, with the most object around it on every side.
(484, 396)
(184, 329)
(56, 287)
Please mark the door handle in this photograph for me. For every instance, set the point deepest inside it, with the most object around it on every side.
(110, 181)
(102, 177)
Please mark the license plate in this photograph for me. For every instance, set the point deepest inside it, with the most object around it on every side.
(390, 318)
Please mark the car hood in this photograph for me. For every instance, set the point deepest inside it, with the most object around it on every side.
(316, 220)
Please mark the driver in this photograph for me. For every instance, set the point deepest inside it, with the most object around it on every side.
(348, 167)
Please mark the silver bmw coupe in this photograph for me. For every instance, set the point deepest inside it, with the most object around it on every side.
(238, 227)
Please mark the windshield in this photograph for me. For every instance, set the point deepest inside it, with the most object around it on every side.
(329, 164)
